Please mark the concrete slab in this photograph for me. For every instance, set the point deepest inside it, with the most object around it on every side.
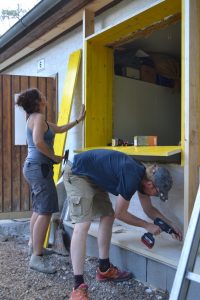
(15, 227)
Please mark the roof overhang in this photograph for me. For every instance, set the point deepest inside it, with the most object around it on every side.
(46, 22)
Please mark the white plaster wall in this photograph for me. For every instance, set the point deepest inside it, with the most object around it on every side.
(56, 57)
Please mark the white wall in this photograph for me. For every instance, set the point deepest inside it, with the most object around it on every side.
(143, 108)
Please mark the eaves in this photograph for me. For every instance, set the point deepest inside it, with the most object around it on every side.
(47, 21)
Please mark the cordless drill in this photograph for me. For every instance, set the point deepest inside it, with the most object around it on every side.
(148, 238)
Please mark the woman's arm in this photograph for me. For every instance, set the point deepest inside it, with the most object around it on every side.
(66, 127)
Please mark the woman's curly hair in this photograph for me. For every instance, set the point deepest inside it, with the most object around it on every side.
(29, 100)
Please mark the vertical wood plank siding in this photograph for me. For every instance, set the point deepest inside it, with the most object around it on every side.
(14, 191)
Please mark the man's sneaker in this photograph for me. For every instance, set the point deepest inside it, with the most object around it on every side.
(45, 251)
(38, 263)
(113, 274)
(80, 293)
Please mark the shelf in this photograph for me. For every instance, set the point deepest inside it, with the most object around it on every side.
(140, 150)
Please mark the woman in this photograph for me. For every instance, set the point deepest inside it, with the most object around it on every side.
(38, 171)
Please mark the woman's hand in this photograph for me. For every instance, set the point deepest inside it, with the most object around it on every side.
(58, 159)
(82, 113)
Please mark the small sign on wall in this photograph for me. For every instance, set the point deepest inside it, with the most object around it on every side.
(20, 124)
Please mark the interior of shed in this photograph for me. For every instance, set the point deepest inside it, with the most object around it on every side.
(147, 89)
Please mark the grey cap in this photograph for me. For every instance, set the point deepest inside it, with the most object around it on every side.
(163, 182)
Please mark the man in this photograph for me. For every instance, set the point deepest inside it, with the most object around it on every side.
(93, 175)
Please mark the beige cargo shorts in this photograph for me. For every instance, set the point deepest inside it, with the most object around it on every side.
(85, 199)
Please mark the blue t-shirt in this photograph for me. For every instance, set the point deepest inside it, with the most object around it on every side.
(115, 172)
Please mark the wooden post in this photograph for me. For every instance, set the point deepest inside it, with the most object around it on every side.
(88, 23)
(190, 92)
(88, 29)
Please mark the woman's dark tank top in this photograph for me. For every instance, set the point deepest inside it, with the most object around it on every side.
(34, 155)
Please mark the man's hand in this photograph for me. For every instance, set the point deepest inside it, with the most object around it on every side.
(154, 229)
(178, 236)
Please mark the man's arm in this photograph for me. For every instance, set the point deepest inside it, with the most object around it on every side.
(152, 212)
(121, 213)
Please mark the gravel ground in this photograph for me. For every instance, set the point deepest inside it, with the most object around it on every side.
(18, 282)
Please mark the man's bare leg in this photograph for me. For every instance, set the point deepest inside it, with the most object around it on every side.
(104, 236)
(78, 247)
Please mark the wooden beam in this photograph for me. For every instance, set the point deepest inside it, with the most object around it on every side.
(145, 32)
(190, 88)
(88, 29)
(88, 23)
(139, 20)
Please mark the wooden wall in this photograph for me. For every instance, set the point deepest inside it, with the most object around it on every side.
(14, 191)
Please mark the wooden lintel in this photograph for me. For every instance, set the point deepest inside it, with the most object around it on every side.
(145, 32)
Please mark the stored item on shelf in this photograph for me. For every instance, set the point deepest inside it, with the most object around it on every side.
(148, 74)
(132, 73)
(117, 142)
(150, 140)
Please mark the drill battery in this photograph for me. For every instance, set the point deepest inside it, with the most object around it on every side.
(148, 239)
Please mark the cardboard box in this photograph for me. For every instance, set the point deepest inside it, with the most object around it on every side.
(132, 73)
(150, 140)
(148, 74)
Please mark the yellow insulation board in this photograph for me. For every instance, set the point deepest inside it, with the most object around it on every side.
(66, 105)
(64, 114)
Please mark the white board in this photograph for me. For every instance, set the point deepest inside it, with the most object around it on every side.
(20, 124)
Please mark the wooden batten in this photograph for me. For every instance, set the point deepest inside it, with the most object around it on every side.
(190, 89)
(88, 23)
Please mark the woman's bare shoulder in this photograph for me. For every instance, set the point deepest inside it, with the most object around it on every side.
(36, 119)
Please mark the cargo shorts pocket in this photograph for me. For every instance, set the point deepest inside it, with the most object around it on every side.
(75, 205)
